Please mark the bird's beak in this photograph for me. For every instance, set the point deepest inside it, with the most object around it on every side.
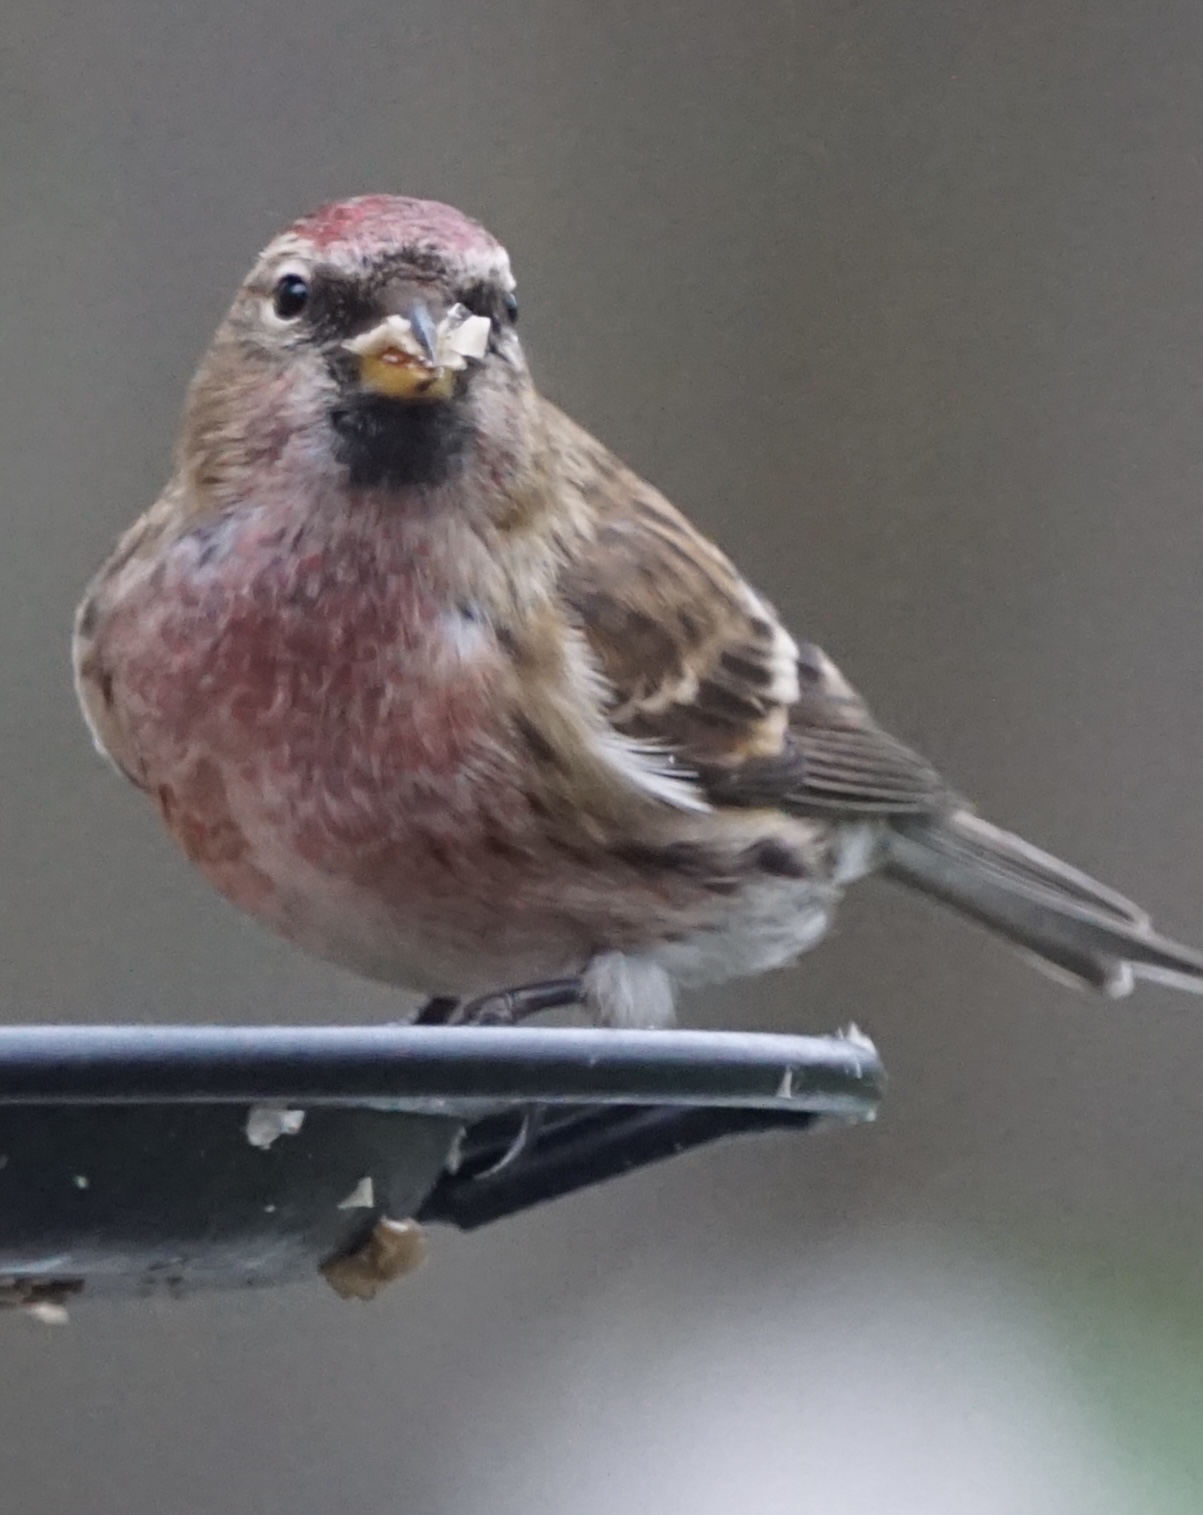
(412, 356)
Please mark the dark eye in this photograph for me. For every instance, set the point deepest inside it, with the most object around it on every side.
(290, 296)
(511, 306)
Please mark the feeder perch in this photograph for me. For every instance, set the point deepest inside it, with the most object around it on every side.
(138, 1160)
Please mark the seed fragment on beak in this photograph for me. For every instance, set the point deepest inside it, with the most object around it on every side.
(459, 336)
(464, 335)
(394, 336)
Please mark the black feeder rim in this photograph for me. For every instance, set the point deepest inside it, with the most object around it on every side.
(147, 1159)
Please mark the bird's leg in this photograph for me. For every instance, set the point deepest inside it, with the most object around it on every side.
(504, 1007)
(508, 1007)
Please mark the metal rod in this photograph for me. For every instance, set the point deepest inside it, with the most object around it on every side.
(574, 1152)
(428, 1067)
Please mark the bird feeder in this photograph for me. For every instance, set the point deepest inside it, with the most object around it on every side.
(139, 1160)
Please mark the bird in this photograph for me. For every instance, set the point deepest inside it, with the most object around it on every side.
(423, 677)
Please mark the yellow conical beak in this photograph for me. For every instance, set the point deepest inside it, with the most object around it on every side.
(409, 357)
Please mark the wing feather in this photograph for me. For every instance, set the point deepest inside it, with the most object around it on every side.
(698, 663)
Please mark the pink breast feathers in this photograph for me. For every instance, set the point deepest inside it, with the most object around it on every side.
(321, 707)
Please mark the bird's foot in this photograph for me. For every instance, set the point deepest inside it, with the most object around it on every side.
(505, 1007)
(439, 1010)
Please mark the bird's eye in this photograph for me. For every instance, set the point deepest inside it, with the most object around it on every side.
(290, 296)
(511, 306)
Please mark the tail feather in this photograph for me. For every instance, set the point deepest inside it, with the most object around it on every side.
(1059, 914)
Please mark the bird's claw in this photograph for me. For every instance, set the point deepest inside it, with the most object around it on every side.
(504, 1007)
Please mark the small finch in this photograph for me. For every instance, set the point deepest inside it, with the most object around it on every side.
(424, 678)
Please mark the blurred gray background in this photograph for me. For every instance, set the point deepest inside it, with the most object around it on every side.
(903, 301)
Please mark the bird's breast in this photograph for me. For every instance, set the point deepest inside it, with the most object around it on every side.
(269, 680)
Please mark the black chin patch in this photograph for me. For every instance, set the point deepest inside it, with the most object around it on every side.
(391, 444)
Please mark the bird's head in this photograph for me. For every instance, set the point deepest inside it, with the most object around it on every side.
(375, 337)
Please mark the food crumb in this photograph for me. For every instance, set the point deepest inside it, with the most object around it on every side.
(265, 1124)
(47, 1312)
(361, 1197)
(394, 1248)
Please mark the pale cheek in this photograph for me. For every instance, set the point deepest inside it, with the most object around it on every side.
(269, 437)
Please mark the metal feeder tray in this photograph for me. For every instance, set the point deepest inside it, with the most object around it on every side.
(127, 1165)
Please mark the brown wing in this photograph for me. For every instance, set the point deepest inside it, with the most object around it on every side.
(700, 664)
